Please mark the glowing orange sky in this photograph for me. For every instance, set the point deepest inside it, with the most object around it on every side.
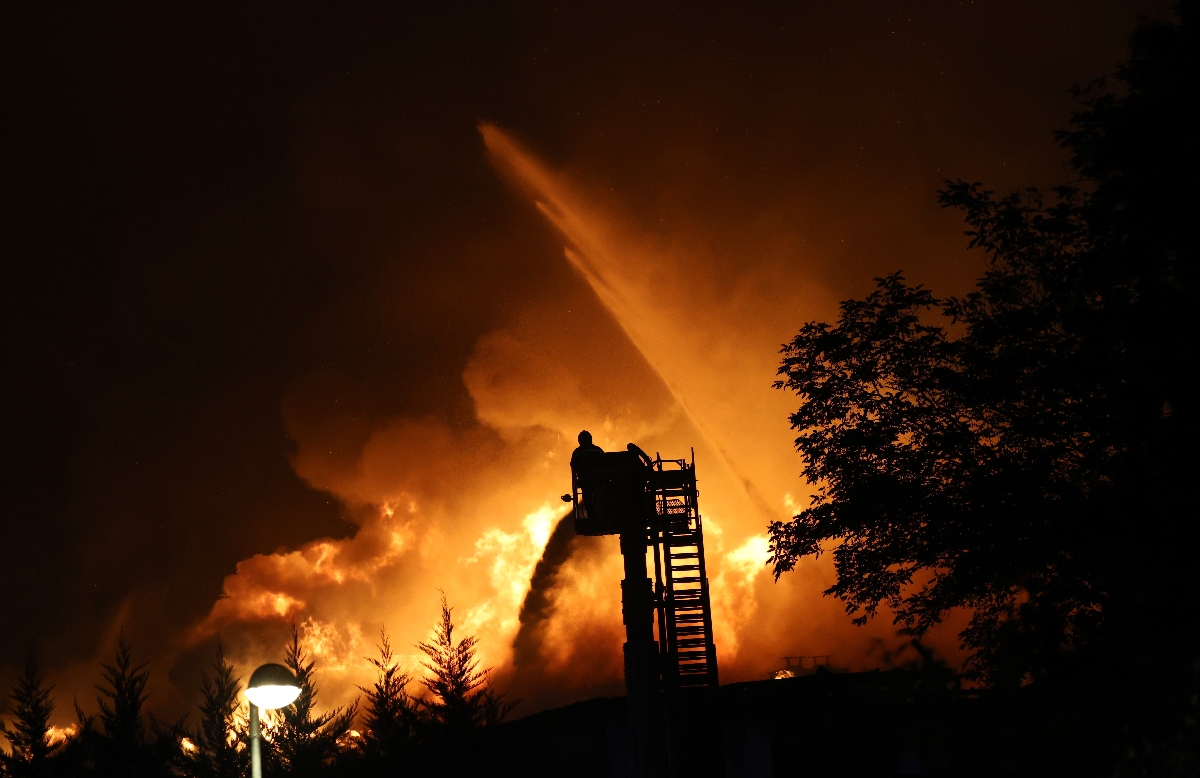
(471, 513)
(297, 328)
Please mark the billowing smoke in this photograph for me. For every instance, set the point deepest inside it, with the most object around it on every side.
(309, 250)
(669, 350)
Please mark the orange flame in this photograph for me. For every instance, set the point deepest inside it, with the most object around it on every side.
(469, 509)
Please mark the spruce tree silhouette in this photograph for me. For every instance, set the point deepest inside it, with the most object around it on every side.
(78, 755)
(302, 743)
(390, 714)
(164, 755)
(463, 701)
(29, 736)
(221, 745)
(121, 699)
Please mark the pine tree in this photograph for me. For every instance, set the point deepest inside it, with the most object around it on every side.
(221, 749)
(463, 700)
(121, 700)
(390, 713)
(78, 755)
(302, 743)
(29, 741)
(163, 755)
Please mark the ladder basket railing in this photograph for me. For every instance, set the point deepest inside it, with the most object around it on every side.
(689, 654)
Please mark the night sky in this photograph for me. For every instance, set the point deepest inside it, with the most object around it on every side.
(264, 279)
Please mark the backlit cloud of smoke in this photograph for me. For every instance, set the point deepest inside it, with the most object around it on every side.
(293, 327)
(472, 511)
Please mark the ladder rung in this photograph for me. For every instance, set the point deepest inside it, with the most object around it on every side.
(685, 599)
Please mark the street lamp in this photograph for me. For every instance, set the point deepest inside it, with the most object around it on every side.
(271, 686)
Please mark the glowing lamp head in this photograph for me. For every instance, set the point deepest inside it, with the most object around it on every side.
(272, 686)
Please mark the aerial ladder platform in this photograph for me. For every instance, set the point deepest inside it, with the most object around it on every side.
(669, 649)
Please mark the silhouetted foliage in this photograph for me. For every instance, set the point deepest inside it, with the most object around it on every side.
(400, 735)
(302, 742)
(29, 735)
(463, 700)
(1024, 451)
(127, 742)
(164, 756)
(78, 754)
(1000, 464)
(221, 748)
(390, 714)
(121, 699)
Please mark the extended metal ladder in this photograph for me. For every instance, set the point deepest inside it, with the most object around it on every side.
(685, 635)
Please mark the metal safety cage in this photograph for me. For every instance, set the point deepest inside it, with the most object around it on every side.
(611, 491)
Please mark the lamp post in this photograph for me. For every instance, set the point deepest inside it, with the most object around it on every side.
(270, 686)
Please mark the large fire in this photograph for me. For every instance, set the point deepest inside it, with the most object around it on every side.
(472, 509)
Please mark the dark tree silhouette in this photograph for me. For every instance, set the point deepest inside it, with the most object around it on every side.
(164, 756)
(997, 468)
(390, 714)
(463, 700)
(127, 741)
(301, 742)
(221, 745)
(121, 699)
(1025, 451)
(29, 735)
(78, 755)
